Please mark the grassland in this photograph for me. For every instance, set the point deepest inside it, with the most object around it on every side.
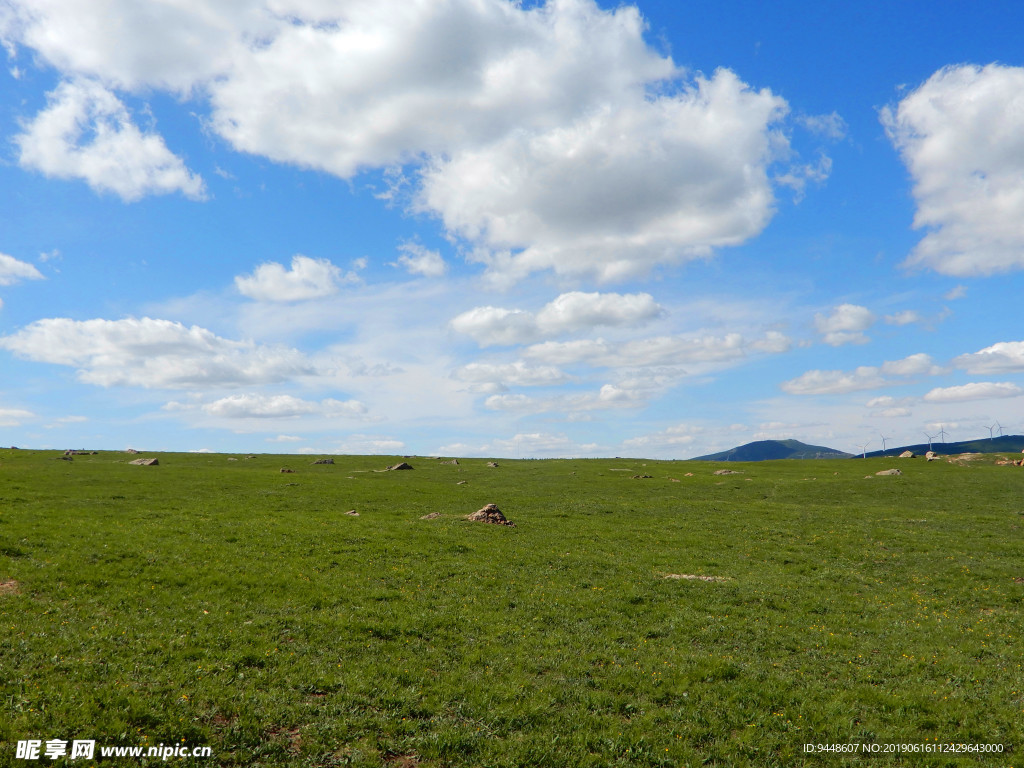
(223, 603)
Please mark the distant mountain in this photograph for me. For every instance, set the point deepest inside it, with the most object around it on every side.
(1001, 444)
(765, 450)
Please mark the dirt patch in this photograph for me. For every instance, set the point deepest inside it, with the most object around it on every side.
(9, 587)
(292, 735)
(725, 472)
(395, 760)
(694, 577)
(964, 458)
(431, 516)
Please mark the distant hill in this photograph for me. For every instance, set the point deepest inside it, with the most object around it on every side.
(1001, 444)
(765, 450)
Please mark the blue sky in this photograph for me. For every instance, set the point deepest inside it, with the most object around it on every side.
(473, 227)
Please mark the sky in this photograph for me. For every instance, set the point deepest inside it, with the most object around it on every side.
(486, 228)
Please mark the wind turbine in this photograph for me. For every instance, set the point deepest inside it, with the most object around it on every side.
(990, 431)
(884, 438)
(864, 450)
(942, 433)
(930, 438)
(1000, 428)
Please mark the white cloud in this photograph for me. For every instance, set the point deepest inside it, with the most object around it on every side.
(890, 407)
(153, 354)
(957, 292)
(620, 188)
(846, 325)
(13, 271)
(680, 434)
(421, 261)
(131, 45)
(375, 83)
(285, 439)
(831, 126)
(881, 402)
(552, 136)
(984, 390)
(581, 311)
(961, 136)
(537, 443)
(610, 396)
(574, 311)
(13, 417)
(798, 175)
(660, 350)
(307, 279)
(912, 365)
(906, 317)
(249, 406)
(369, 444)
(1003, 357)
(896, 413)
(819, 382)
(86, 133)
(511, 374)
(493, 325)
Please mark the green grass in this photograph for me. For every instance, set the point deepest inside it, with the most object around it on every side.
(228, 605)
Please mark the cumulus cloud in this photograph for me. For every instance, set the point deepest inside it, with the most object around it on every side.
(549, 136)
(580, 311)
(166, 45)
(913, 365)
(819, 382)
(422, 261)
(511, 374)
(845, 325)
(569, 312)
(1003, 357)
(961, 136)
(86, 133)
(657, 351)
(494, 325)
(307, 279)
(153, 354)
(253, 406)
(13, 271)
(619, 189)
(984, 390)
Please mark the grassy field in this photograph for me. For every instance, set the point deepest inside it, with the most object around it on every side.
(222, 603)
